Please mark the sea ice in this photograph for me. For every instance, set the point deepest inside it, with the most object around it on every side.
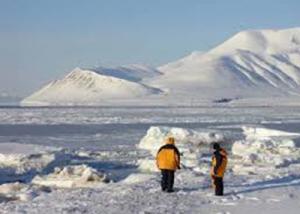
(71, 177)
(191, 144)
(19, 191)
(264, 151)
(21, 161)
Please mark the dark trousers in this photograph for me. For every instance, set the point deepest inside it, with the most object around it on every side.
(167, 180)
(219, 188)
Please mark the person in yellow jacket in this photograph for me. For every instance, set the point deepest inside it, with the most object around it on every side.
(168, 161)
(218, 167)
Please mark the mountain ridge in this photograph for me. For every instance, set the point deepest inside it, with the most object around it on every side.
(254, 63)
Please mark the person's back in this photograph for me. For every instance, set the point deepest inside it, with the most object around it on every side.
(219, 161)
(167, 157)
(168, 160)
(218, 167)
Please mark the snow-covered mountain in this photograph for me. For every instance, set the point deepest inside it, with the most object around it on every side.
(251, 64)
(95, 86)
(255, 63)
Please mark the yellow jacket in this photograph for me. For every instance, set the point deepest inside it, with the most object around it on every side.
(218, 163)
(168, 157)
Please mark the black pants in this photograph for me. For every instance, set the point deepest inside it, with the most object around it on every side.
(167, 180)
(219, 188)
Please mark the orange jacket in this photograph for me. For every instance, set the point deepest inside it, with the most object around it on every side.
(218, 163)
(168, 157)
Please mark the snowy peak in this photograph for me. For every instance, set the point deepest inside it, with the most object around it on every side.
(88, 87)
(82, 78)
(262, 41)
(250, 64)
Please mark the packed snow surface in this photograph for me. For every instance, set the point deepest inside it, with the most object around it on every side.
(251, 65)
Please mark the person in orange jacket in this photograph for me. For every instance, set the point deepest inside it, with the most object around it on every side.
(168, 161)
(218, 167)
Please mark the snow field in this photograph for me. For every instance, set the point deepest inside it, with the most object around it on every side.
(264, 159)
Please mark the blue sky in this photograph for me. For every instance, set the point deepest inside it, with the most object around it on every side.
(42, 40)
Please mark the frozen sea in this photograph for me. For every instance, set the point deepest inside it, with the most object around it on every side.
(102, 128)
(121, 128)
(116, 132)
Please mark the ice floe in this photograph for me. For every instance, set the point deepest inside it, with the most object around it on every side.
(20, 191)
(72, 176)
(265, 151)
(191, 144)
(22, 161)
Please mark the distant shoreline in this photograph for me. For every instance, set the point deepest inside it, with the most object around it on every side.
(15, 106)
